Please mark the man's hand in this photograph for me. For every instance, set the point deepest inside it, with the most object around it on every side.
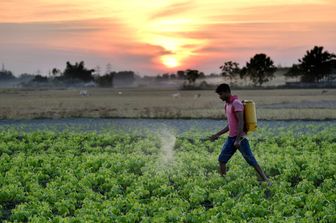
(237, 142)
(213, 137)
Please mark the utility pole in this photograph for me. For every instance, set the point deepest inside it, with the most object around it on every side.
(108, 68)
(97, 70)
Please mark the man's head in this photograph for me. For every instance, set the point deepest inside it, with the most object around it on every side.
(224, 92)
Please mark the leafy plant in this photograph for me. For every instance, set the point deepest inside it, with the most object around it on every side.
(117, 177)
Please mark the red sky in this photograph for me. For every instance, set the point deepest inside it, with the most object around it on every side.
(157, 36)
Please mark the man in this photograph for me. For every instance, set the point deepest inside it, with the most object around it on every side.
(234, 110)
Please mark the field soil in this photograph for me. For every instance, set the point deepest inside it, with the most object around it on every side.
(284, 104)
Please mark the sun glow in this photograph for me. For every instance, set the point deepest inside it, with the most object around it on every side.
(170, 61)
(158, 35)
(175, 50)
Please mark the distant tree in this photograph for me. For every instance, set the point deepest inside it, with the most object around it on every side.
(55, 71)
(294, 71)
(105, 80)
(165, 76)
(77, 72)
(260, 69)
(315, 65)
(173, 76)
(26, 76)
(40, 78)
(6, 75)
(181, 75)
(148, 78)
(192, 75)
(213, 75)
(123, 78)
(230, 70)
(124, 75)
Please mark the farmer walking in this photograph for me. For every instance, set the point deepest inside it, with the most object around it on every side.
(237, 139)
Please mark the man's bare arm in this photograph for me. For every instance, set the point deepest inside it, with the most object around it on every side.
(223, 131)
(218, 134)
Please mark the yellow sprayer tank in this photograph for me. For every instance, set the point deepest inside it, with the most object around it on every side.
(250, 115)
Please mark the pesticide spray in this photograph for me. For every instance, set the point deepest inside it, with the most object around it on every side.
(167, 143)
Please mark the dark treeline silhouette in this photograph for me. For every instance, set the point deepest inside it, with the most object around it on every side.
(40, 78)
(190, 75)
(315, 66)
(6, 75)
(230, 70)
(76, 72)
(116, 79)
(260, 69)
(105, 80)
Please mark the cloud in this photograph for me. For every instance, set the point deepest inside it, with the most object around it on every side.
(287, 13)
(136, 34)
(43, 45)
(61, 10)
(173, 10)
(46, 27)
(62, 32)
(37, 11)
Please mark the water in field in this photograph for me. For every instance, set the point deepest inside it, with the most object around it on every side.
(155, 125)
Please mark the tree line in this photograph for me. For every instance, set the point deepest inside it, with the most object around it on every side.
(316, 65)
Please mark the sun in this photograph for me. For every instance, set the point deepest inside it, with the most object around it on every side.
(170, 61)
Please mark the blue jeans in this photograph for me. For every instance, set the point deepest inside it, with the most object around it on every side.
(228, 150)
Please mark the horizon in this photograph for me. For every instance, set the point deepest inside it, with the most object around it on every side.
(159, 37)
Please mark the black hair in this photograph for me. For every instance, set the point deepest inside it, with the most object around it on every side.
(223, 88)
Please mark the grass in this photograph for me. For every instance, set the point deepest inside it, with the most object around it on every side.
(284, 104)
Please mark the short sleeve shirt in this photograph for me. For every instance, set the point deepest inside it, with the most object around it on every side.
(235, 106)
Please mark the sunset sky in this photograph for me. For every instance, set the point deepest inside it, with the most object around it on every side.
(157, 36)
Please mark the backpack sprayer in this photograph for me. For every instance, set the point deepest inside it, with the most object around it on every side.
(250, 116)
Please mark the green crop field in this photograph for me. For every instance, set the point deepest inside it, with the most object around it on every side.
(73, 176)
